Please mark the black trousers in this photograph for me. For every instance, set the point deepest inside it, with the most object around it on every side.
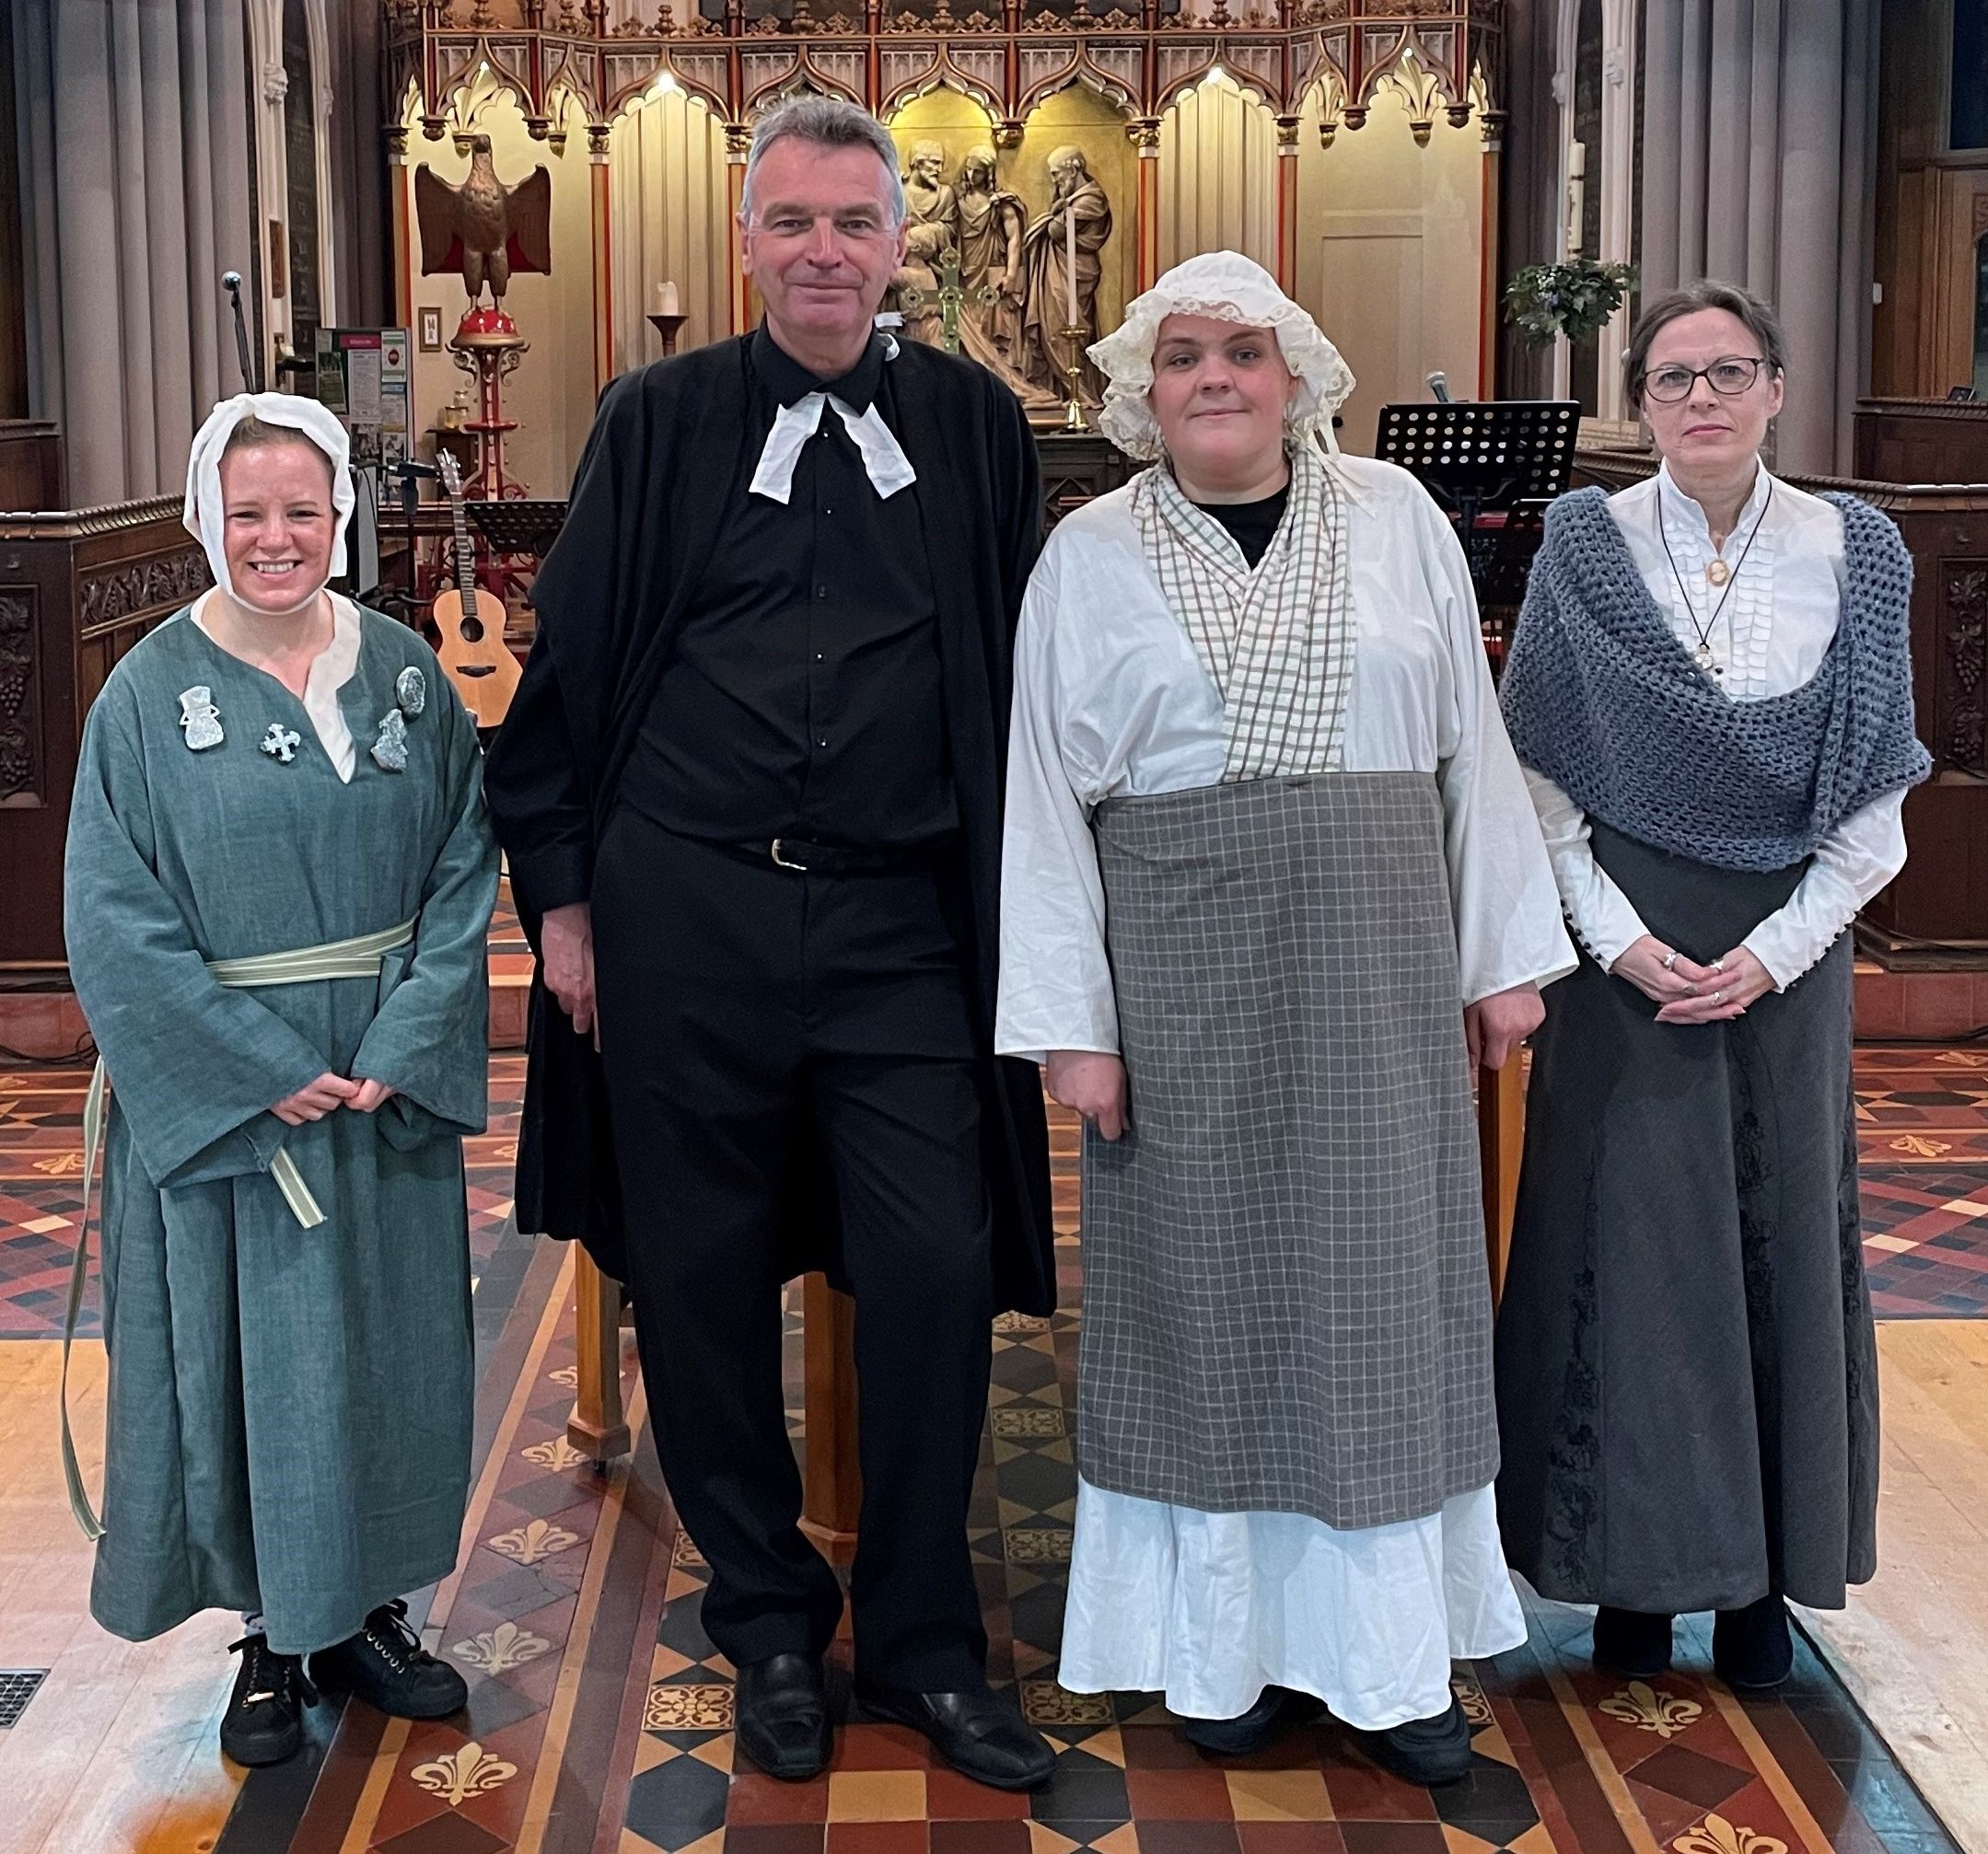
(745, 1009)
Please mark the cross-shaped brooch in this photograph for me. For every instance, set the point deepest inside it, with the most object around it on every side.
(280, 742)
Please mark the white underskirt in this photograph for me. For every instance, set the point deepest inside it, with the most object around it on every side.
(1209, 1608)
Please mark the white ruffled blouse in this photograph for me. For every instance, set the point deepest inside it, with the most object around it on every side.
(1770, 637)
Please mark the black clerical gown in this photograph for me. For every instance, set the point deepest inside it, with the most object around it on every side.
(668, 464)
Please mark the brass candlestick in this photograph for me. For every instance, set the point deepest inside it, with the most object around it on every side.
(667, 327)
(1073, 372)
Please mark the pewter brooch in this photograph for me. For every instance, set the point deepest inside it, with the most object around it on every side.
(411, 691)
(389, 752)
(280, 742)
(199, 717)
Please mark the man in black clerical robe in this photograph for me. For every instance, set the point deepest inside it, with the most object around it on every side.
(751, 788)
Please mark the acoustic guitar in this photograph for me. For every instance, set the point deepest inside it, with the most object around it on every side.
(472, 623)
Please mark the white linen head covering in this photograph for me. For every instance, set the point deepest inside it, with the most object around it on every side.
(204, 516)
(1229, 287)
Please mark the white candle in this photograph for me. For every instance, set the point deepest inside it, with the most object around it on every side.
(666, 300)
(1577, 161)
(1069, 222)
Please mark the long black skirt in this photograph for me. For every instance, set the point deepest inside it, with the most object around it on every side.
(1686, 1367)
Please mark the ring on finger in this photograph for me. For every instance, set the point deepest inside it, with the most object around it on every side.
(1670, 960)
(1718, 997)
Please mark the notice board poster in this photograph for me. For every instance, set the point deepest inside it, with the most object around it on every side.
(363, 377)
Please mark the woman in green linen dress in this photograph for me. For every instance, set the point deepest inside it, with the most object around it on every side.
(285, 1257)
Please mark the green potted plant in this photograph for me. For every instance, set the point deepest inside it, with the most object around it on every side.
(1575, 299)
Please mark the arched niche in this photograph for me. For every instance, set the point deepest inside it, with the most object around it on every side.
(1389, 245)
(670, 221)
(1218, 173)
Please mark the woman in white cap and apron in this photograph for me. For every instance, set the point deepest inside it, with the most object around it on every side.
(279, 882)
(1271, 882)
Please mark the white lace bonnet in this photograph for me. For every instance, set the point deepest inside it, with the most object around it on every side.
(1229, 287)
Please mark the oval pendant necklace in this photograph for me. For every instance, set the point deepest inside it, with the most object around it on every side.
(1718, 572)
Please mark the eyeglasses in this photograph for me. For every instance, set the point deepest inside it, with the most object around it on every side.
(1729, 377)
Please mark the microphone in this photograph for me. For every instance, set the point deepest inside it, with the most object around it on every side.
(413, 467)
(1438, 383)
(231, 283)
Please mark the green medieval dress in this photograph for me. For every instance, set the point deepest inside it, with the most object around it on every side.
(289, 1408)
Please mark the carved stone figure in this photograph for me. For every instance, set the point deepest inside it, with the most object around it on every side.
(993, 226)
(1050, 298)
(928, 201)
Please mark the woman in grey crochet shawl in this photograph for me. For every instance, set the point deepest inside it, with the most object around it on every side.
(1710, 689)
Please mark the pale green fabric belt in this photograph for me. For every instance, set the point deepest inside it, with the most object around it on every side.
(360, 957)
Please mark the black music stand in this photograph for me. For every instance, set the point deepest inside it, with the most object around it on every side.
(519, 526)
(1481, 458)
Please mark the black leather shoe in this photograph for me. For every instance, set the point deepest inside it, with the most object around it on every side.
(264, 1721)
(386, 1665)
(1424, 1751)
(981, 1735)
(1634, 1642)
(783, 1716)
(1751, 1648)
(1248, 1731)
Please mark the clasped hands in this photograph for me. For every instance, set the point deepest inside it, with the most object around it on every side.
(1687, 991)
(1093, 1084)
(315, 1099)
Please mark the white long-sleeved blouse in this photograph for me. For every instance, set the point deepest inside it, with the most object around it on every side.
(1111, 700)
(1770, 637)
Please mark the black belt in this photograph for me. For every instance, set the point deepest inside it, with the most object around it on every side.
(803, 858)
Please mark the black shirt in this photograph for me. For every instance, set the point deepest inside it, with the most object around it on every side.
(1251, 525)
(804, 698)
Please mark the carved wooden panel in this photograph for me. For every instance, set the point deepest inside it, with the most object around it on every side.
(904, 68)
(841, 73)
(20, 709)
(1260, 67)
(1181, 63)
(141, 589)
(1122, 67)
(1963, 718)
(982, 65)
(762, 72)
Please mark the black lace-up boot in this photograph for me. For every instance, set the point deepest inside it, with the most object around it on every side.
(386, 1665)
(264, 1721)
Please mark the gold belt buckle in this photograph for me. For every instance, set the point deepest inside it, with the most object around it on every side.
(782, 861)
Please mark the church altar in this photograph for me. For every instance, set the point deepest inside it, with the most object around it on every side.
(1057, 157)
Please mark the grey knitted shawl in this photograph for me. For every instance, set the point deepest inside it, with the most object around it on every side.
(1600, 695)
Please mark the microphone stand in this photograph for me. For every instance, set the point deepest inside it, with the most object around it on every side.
(251, 378)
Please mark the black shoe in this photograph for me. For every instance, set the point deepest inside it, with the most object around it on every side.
(1248, 1731)
(1424, 1751)
(386, 1665)
(264, 1721)
(980, 1735)
(1634, 1642)
(783, 1716)
(1751, 1648)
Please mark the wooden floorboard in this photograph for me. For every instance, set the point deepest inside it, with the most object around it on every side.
(117, 1752)
(1912, 1645)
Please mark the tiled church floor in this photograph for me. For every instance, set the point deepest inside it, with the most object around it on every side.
(599, 1717)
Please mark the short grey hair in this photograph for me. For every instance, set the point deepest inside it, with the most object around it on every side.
(1708, 292)
(828, 122)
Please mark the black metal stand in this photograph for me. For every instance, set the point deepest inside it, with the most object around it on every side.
(1492, 466)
